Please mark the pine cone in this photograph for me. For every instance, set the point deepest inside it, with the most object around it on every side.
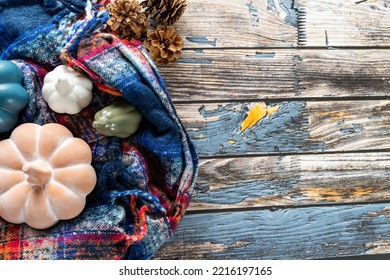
(126, 19)
(164, 44)
(165, 12)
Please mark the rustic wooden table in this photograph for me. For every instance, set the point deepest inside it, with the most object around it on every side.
(287, 103)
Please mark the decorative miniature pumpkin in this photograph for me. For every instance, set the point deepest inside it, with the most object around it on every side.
(45, 174)
(119, 119)
(66, 91)
(13, 97)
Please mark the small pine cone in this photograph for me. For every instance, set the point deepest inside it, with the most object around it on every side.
(126, 19)
(164, 44)
(165, 12)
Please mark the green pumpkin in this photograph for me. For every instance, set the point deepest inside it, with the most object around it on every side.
(13, 97)
(119, 119)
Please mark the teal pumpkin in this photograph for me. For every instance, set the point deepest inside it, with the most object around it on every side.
(13, 97)
(119, 119)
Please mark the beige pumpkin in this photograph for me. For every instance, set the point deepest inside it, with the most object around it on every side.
(45, 175)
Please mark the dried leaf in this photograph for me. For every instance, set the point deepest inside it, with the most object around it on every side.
(273, 109)
(258, 112)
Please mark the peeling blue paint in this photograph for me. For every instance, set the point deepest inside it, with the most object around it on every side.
(286, 131)
(271, 6)
(293, 233)
(194, 60)
(292, 8)
(262, 55)
(202, 40)
(254, 14)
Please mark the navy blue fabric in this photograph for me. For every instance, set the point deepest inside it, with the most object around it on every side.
(13, 15)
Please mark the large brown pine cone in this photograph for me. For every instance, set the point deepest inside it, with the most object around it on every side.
(164, 44)
(126, 19)
(165, 12)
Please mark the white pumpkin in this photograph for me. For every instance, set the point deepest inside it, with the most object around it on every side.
(66, 91)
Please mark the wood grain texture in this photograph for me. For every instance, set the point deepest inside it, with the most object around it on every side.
(291, 180)
(295, 233)
(239, 23)
(348, 73)
(277, 74)
(306, 176)
(295, 127)
(346, 23)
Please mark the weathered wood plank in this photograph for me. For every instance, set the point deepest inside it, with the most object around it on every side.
(291, 180)
(345, 23)
(277, 74)
(342, 73)
(282, 133)
(230, 74)
(294, 127)
(296, 233)
(239, 23)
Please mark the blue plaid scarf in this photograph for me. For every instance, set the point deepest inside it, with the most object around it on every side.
(144, 181)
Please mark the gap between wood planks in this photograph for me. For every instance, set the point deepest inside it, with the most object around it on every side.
(281, 207)
(267, 154)
(329, 47)
(284, 99)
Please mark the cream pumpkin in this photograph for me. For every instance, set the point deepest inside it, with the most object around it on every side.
(66, 90)
(45, 174)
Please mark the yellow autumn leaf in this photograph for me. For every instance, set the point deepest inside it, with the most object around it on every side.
(273, 109)
(258, 112)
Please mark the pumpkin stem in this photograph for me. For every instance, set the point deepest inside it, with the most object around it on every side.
(38, 172)
(64, 85)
